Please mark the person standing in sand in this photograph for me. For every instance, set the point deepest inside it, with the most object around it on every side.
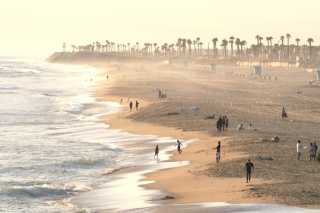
(299, 150)
(137, 105)
(249, 169)
(156, 152)
(218, 152)
(130, 105)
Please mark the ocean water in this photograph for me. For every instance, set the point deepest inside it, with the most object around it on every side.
(53, 144)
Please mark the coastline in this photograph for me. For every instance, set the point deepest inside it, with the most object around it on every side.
(195, 188)
(231, 190)
(202, 179)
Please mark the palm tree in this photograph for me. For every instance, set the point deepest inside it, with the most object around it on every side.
(198, 43)
(238, 42)
(194, 47)
(297, 52)
(243, 43)
(137, 47)
(259, 45)
(310, 41)
(155, 48)
(184, 46)
(231, 41)
(224, 44)
(288, 36)
(281, 47)
(201, 48)
(179, 45)
(189, 42)
(74, 47)
(258, 39)
(269, 43)
(215, 50)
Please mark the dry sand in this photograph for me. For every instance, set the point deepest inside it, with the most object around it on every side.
(243, 99)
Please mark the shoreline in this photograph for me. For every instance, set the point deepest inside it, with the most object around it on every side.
(162, 179)
(126, 82)
(230, 190)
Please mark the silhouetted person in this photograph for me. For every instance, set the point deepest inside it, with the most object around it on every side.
(137, 105)
(130, 105)
(299, 150)
(311, 151)
(227, 122)
(219, 124)
(218, 152)
(179, 144)
(156, 152)
(223, 123)
(284, 113)
(249, 170)
(315, 150)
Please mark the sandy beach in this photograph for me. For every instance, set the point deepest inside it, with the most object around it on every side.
(245, 100)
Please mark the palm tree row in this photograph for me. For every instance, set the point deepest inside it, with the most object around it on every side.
(265, 49)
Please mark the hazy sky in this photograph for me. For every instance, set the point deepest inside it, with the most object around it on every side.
(40, 26)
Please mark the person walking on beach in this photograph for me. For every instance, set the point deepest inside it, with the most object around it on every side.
(284, 113)
(249, 169)
(179, 144)
(137, 105)
(156, 152)
(130, 105)
(218, 152)
(315, 150)
(226, 122)
(311, 152)
(223, 123)
(299, 150)
(219, 124)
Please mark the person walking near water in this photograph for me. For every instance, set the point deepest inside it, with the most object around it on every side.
(137, 105)
(218, 152)
(299, 150)
(130, 105)
(179, 144)
(156, 152)
(249, 169)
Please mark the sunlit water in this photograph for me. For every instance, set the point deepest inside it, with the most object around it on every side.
(53, 144)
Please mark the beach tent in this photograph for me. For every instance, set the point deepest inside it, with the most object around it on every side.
(258, 70)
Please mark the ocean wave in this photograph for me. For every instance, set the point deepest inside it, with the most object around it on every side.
(45, 190)
(37, 192)
(84, 163)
